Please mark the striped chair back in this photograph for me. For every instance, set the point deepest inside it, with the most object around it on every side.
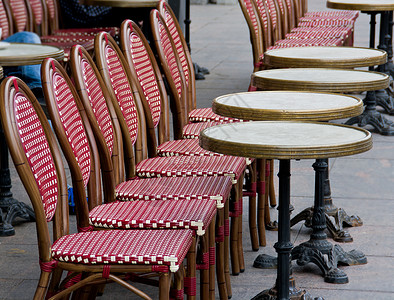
(266, 23)
(182, 49)
(144, 67)
(6, 23)
(115, 72)
(39, 13)
(251, 16)
(99, 109)
(21, 15)
(37, 160)
(173, 72)
(75, 137)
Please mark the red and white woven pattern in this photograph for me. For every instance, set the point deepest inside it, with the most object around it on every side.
(177, 41)
(188, 147)
(338, 14)
(263, 13)
(271, 9)
(207, 115)
(183, 166)
(4, 22)
(176, 188)
(37, 11)
(157, 247)
(97, 101)
(146, 76)
(76, 39)
(72, 124)
(326, 18)
(325, 23)
(321, 32)
(175, 214)
(86, 32)
(169, 54)
(37, 152)
(310, 42)
(192, 130)
(51, 8)
(252, 15)
(19, 12)
(123, 91)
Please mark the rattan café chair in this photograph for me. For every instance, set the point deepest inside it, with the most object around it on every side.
(196, 213)
(99, 255)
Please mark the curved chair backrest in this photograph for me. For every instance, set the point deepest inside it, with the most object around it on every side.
(115, 72)
(172, 69)
(143, 66)
(52, 15)
(182, 49)
(37, 160)
(291, 13)
(279, 18)
(6, 23)
(99, 108)
(266, 23)
(75, 138)
(255, 30)
(22, 16)
(39, 13)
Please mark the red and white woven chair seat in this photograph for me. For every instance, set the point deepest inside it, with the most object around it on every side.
(188, 147)
(184, 166)
(89, 46)
(321, 32)
(327, 17)
(207, 115)
(84, 32)
(310, 42)
(176, 188)
(157, 247)
(192, 130)
(338, 13)
(325, 23)
(175, 214)
(76, 39)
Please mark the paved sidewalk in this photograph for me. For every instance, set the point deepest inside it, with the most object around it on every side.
(363, 184)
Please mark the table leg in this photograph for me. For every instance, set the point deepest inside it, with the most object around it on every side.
(339, 215)
(371, 116)
(10, 208)
(317, 247)
(285, 286)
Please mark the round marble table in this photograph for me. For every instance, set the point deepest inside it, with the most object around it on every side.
(18, 54)
(286, 141)
(324, 57)
(364, 5)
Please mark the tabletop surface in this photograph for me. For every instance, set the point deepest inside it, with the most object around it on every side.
(15, 54)
(323, 57)
(122, 3)
(287, 105)
(286, 140)
(366, 5)
(319, 79)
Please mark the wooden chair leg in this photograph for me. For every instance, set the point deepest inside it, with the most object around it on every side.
(164, 286)
(212, 259)
(220, 259)
(234, 236)
(271, 184)
(190, 278)
(240, 245)
(227, 248)
(261, 165)
(42, 286)
(204, 271)
(253, 208)
(178, 283)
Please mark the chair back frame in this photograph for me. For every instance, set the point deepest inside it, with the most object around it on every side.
(140, 57)
(172, 69)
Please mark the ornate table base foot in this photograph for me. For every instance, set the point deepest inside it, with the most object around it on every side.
(10, 210)
(342, 218)
(372, 117)
(294, 293)
(200, 72)
(351, 258)
(385, 100)
(336, 230)
(265, 261)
